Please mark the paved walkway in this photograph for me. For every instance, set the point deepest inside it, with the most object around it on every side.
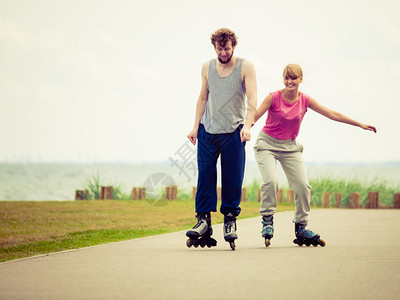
(360, 261)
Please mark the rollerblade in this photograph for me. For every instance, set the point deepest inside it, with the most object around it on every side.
(307, 237)
(200, 234)
(267, 229)
(230, 229)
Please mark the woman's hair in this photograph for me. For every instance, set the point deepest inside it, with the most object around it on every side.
(222, 36)
(293, 71)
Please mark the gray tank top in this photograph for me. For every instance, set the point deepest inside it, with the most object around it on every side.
(225, 108)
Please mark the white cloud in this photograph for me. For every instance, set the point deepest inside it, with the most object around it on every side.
(12, 36)
(131, 72)
(106, 39)
(50, 40)
(144, 74)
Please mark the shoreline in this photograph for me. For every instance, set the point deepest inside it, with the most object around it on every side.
(44, 182)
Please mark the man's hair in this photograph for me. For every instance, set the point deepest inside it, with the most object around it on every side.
(222, 36)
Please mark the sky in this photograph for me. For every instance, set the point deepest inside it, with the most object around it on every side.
(117, 81)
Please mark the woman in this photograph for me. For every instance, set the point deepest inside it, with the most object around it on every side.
(277, 141)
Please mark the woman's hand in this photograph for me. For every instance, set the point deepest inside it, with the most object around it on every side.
(368, 127)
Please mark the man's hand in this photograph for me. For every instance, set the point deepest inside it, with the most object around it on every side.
(192, 136)
(245, 135)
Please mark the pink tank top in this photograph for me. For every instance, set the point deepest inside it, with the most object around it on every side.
(284, 119)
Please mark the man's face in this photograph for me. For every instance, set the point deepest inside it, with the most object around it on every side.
(224, 53)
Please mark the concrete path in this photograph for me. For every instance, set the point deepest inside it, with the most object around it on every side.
(360, 261)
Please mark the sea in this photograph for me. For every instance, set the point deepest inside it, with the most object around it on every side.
(59, 181)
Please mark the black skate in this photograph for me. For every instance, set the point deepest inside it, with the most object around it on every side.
(267, 229)
(230, 230)
(200, 234)
(307, 237)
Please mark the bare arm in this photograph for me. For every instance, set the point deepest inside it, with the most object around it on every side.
(200, 105)
(265, 105)
(336, 116)
(251, 91)
(250, 81)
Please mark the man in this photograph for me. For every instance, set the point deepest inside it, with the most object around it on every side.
(222, 128)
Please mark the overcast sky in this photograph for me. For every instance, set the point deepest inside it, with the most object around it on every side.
(117, 81)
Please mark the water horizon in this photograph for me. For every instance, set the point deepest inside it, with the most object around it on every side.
(58, 181)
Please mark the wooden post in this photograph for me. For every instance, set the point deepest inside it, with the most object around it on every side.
(279, 196)
(259, 195)
(138, 193)
(106, 193)
(81, 195)
(141, 193)
(338, 199)
(326, 197)
(373, 200)
(171, 193)
(194, 191)
(168, 193)
(354, 200)
(289, 196)
(134, 193)
(377, 199)
(243, 195)
(396, 200)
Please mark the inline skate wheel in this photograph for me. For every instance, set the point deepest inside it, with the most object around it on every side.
(322, 243)
(232, 244)
(267, 242)
(188, 243)
(297, 242)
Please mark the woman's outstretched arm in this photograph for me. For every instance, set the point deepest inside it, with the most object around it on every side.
(337, 116)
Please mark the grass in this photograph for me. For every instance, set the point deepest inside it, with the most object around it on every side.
(33, 228)
(346, 187)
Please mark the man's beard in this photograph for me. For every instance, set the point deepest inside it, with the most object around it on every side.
(227, 60)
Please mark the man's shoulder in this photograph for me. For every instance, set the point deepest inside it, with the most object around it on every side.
(247, 67)
(206, 65)
(247, 64)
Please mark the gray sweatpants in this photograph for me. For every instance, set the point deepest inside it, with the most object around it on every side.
(289, 153)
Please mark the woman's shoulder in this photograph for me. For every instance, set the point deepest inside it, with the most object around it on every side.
(305, 97)
(276, 93)
(276, 96)
(304, 94)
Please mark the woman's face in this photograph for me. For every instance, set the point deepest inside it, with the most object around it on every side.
(292, 82)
